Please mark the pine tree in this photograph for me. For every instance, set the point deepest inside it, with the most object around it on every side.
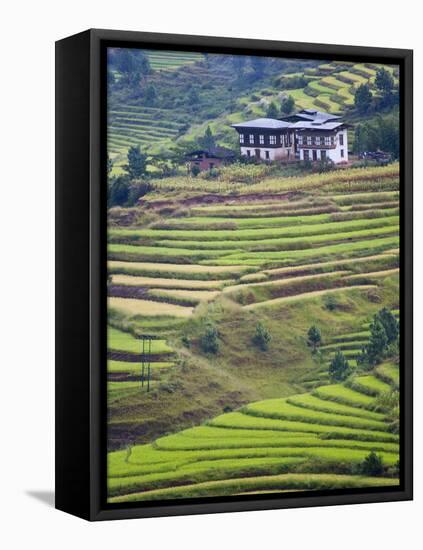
(288, 105)
(378, 341)
(262, 337)
(390, 324)
(314, 338)
(272, 111)
(384, 81)
(363, 98)
(339, 369)
(209, 341)
(207, 141)
(150, 95)
(137, 163)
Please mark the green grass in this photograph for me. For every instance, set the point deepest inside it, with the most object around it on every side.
(286, 243)
(388, 373)
(259, 233)
(341, 394)
(134, 367)
(370, 384)
(264, 483)
(281, 408)
(119, 340)
(343, 249)
(162, 252)
(248, 421)
(312, 402)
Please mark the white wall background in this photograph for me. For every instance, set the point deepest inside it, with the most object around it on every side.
(28, 32)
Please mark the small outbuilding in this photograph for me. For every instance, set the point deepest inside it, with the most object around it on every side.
(207, 159)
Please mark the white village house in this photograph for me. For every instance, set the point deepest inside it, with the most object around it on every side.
(306, 135)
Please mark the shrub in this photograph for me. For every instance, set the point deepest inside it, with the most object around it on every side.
(138, 189)
(372, 465)
(209, 341)
(325, 165)
(262, 337)
(195, 170)
(118, 192)
(330, 302)
(186, 341)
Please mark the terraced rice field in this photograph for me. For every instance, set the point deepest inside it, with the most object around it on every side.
(140, 125)
(261, 255)
(166, 60)
(273, 444)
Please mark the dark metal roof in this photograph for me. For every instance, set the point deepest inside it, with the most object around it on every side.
(269, 123)
(312, 115)
(213, 152)
(313, 125)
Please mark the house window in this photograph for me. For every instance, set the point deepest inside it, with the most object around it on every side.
(341, 139)
(282, 140)
(306, 154)
(317, 140)
(323, 154)
(251, 138)
(241, 138)
(248, 153)
(267, 155)
(309, 140)
(342, 153)
(288, 140)
(300, 140)
(272, 140)
(327, 140)
(261, 140)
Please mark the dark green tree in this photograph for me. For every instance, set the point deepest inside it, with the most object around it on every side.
(193, 97)
(125, 61)
(258, 64)
(361, 138)
(209, 341)
(390, 324)
(363, 98)
(287, 105)
(150, 95)
(262, 337)
(384, 81)
(272, 111)
(137, 163)
(238, 62)
(207, 141)
(118, 191)
(339, 369)
(378, 342)
(314, 338)
(372, 465)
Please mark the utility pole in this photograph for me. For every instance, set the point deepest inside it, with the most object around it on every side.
(146, 360)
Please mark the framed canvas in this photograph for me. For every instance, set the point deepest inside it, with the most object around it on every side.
(234, 274)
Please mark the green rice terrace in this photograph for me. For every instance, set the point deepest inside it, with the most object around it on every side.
(196, 406)
(159, 125)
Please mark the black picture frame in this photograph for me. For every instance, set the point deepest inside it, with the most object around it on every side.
(81, 273)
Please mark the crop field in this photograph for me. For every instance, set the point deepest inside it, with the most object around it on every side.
(246, 421)
(265, 444)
